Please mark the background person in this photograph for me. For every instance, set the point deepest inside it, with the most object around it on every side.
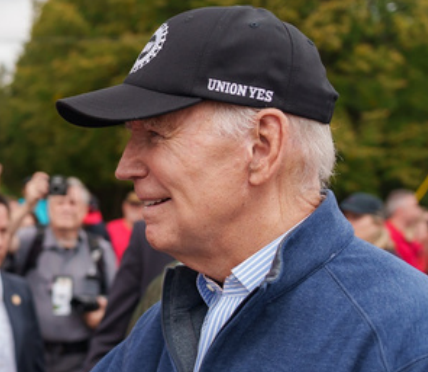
(366, 214)
(139, 266)
(152, 295)
(120, 229)
(403, 213)
(63, 263)
(21, 345)
(420, 231)
(40, 209)
(94, 220)
(22, 214)
(34, 192)
(230, 150)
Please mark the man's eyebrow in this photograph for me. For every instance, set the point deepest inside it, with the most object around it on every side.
(146, 123)
(128, 125)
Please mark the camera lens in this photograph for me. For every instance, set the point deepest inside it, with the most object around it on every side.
(58, 185)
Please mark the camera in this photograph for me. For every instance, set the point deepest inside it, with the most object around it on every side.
(58, 185)
(84, 303)
(86, 300)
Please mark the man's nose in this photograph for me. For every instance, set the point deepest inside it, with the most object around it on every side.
(131, 165)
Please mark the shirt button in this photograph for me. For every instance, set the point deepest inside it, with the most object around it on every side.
(210, 287)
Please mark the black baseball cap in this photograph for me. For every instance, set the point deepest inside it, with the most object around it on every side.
(362, 203)
(239, 55)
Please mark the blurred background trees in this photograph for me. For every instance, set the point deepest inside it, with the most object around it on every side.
(374, 50)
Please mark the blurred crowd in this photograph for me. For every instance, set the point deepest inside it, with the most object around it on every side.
(399, 225)
(54, 237)
(84, 281)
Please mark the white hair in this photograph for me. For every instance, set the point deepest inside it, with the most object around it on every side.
(395, 200)
(311, 139)
(75, 182)
(233, 121)
(315, 142)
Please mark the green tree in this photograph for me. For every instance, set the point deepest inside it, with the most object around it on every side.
(374, 51)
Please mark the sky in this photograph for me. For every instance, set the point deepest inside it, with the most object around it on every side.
(15, 24)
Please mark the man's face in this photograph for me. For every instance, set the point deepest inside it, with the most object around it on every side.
(67, 212)
(410, 210)
(4, 232)
(193, 182)
(366, 226)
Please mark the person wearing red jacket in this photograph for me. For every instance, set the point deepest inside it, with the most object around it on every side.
(120, 229)
(403, 212)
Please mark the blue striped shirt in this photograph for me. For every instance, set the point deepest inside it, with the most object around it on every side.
(222, 302)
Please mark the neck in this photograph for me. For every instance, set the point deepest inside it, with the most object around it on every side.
(66, 238)
(269, 221)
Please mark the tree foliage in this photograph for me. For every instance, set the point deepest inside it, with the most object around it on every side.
(374, 51)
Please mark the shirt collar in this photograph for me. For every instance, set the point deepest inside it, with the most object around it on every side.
(50, 241)
(254, 269)
(245, 277)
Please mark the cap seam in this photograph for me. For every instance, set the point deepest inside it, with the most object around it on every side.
(285, 100)
(158, 91)
(202, 61)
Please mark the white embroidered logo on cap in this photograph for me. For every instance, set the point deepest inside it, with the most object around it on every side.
(242, 90)
(152, 48)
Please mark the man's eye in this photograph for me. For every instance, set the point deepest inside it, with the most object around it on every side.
(153, 134)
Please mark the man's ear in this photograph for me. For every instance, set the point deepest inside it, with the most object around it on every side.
(268, 145)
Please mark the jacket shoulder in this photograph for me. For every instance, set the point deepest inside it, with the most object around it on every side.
(390, 296)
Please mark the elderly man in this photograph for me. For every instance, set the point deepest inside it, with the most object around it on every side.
(69, 273)
(366, 213)
(230, 150)
(403, 214)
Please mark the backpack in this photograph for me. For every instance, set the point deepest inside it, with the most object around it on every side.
(96, 252)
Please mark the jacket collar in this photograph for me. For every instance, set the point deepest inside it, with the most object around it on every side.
(320, 238)
(310, 246)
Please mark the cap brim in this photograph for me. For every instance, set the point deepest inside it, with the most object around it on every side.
(118, 104)
(352, 208)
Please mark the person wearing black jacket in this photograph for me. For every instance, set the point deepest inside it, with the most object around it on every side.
(20, 337)
(140, 265)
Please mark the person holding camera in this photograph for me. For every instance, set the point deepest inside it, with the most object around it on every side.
(35, 190)
(69, 272)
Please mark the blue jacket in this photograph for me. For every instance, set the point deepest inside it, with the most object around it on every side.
(331, 303)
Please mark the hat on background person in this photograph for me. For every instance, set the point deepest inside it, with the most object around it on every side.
(218, 54)
(363, 203)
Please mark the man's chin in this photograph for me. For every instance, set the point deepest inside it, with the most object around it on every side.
(155, 242)
(157, 238)
(66, 227)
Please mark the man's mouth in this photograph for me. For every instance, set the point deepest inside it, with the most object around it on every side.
(149, 203)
